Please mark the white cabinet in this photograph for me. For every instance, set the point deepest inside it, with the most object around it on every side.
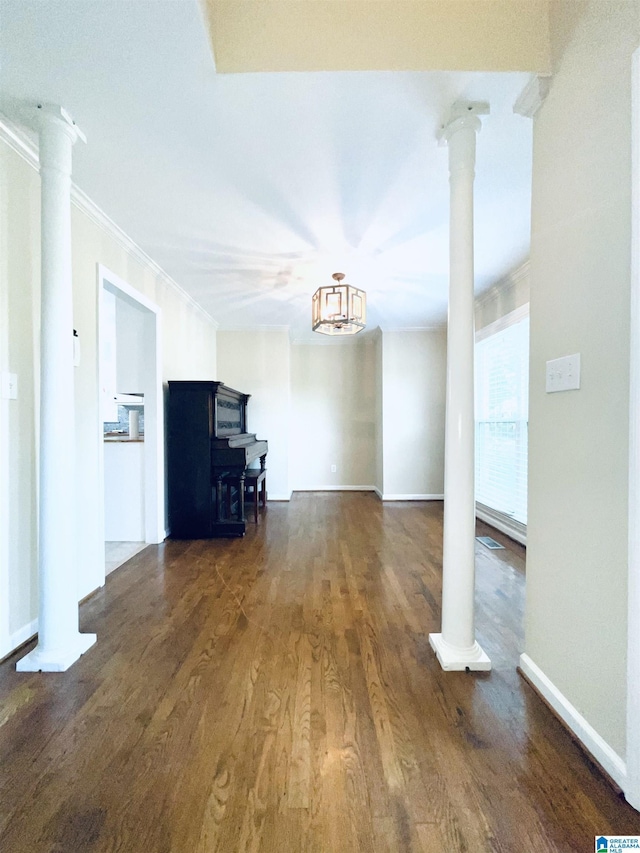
(124, 491)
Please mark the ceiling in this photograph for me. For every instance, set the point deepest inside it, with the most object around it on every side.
(251, 189)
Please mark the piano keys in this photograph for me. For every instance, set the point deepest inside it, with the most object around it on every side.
(209, 449)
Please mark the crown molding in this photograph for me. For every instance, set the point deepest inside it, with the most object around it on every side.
(438, 327)
(16, 139)
(100, 218)
(503, 323)
(503, 285)
(371, 335)
(332, 340)
(258, 327)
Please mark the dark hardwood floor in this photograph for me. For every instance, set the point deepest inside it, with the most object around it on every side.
(278, 693)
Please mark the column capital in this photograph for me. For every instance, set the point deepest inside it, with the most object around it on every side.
(463, 115)
(53, 114)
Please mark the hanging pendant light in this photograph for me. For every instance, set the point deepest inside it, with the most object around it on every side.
(339, 309)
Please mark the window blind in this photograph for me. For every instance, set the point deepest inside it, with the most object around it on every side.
(502, 414)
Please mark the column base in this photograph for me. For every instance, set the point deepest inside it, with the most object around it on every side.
(453, 659)
(56, 660)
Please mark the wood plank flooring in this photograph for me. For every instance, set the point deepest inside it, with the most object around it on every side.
(278, 693)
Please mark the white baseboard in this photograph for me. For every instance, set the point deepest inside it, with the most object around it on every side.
(608, 759)
(334, 489)
(19, 637)
(276, 497)
(503, 525)
(386, 497)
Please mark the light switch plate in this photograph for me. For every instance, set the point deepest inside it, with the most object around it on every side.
(9, 385)
(563, 374)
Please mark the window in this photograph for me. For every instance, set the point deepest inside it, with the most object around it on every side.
(502, 414)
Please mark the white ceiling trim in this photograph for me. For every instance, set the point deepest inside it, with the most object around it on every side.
(18, 141)
(13, 135)
(334, 340)
(437, 327)
(503, 323)
(369, 336)
(503, 285)
(256, 327)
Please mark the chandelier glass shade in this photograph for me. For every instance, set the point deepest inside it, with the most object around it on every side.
(339, 309)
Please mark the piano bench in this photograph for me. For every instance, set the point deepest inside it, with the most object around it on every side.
(255, 480)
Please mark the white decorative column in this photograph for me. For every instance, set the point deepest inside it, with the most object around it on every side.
(456, 646)
(59, 641)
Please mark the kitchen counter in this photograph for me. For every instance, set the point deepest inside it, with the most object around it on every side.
(122, 437)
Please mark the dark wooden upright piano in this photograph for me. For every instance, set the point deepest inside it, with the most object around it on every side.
(209, 449)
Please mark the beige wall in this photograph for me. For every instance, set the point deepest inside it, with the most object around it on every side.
(413, 412)
(257, 363)
(353, 404)
(388, 35)
(576, 620)
(188, 352)
(19, 308)
(333, 393)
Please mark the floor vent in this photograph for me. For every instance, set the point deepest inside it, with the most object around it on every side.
(489, 542)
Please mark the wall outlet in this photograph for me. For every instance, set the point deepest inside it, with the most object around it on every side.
(334, 468)
(9, 385)
(563, 374)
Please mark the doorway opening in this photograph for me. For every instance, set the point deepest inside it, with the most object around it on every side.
(131, 421)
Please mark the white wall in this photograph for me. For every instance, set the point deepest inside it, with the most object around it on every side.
(188, 352)
(576, 620)
(413, 412)
(131, 346)
(333, 394)
(256, 362)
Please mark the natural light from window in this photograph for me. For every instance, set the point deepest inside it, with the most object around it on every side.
(502, 414)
